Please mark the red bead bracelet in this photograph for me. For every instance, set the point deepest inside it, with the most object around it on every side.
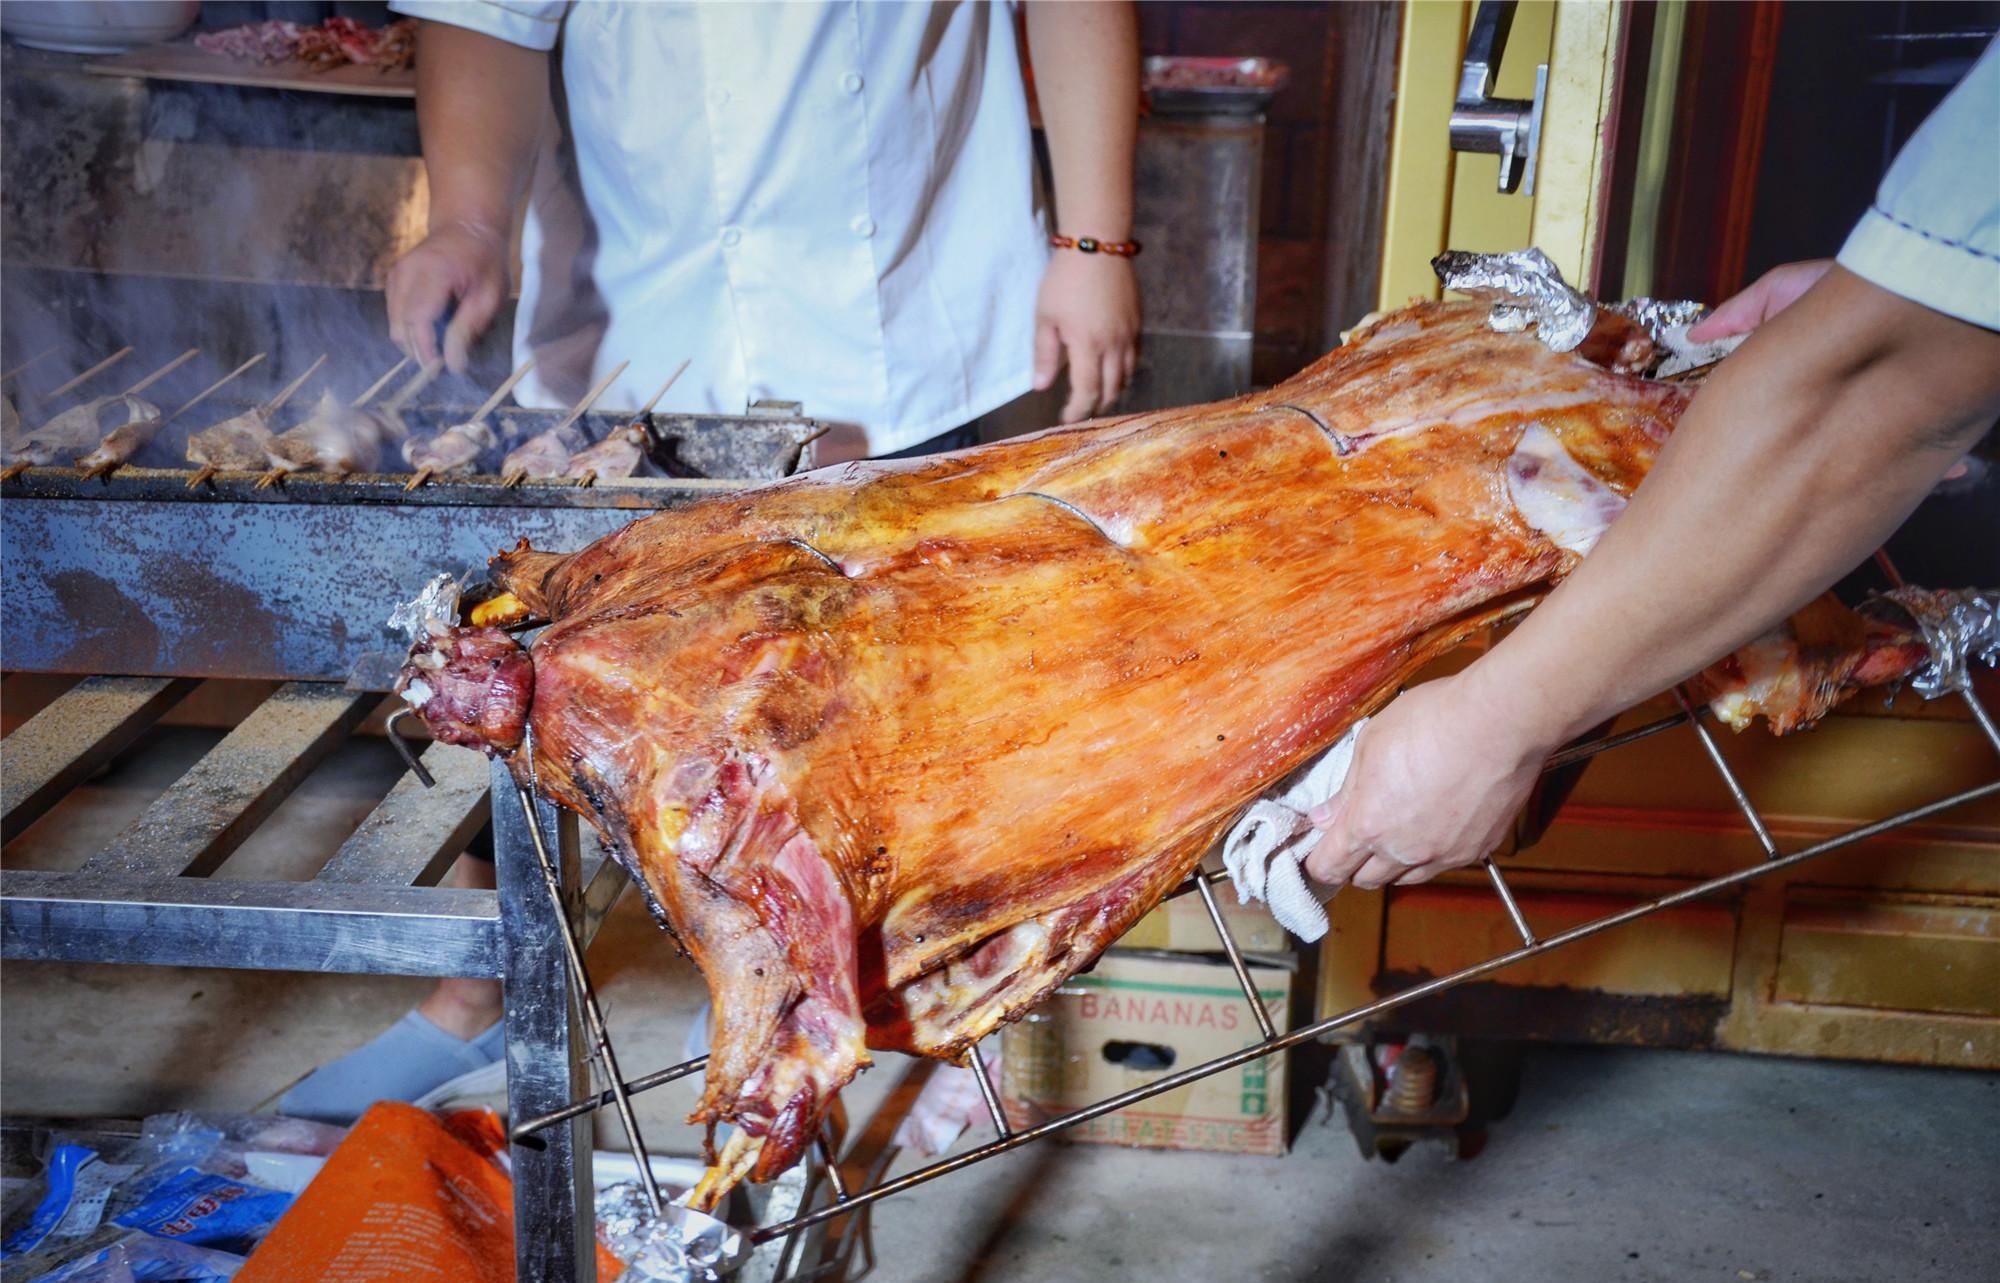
(1091, 245)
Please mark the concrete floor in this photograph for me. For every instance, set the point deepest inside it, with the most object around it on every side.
(1613, 1165)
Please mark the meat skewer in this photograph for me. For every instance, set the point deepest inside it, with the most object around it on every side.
(126, 440)
(81, 426)
(243, 442)
(546, 454)
(459, 446)
(11, 439)
(619, 453)
(337, 438)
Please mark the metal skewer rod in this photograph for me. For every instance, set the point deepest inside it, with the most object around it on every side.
(285, 393)
(671, 380)
(977, 1064)
(586, 995)
(1236, 962)
(1307, 1033)
(1735, 786)
(1506, 894)
(379, 384)
(832, 1162)
(645, 1082)
(217, 386)
(162, 372)
(47, 351)
(87, 375)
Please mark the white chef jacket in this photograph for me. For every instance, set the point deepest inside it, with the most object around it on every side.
(830, 203)
(1933, 233)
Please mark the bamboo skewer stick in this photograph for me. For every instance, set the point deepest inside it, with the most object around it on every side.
(576, 412)
(418, 382)
(589, 476)
(500, 393)
(47, 351)
(202, 475)
(162, 372)
(216, 386)
(87, 375)
(379, 384)
(672, 379)
(285, 393)
(491, 404)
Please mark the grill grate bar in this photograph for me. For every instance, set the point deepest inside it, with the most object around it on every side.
(213, 809)
(416, 830)
(87, 725)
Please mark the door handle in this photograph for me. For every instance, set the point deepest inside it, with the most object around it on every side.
(1510, 128)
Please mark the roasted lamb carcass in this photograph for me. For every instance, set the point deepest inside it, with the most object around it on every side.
(897, 748)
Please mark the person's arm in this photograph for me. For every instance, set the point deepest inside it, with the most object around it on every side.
(1086, 61)
(1799, 456)
(482, 104)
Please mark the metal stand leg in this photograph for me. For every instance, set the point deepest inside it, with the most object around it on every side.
(554, 1229)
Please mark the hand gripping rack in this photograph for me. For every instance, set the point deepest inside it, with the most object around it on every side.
(790, 1221)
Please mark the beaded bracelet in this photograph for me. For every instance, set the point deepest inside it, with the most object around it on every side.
(1091, 245)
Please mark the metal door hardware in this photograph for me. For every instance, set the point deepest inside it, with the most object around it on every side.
(1510, 128)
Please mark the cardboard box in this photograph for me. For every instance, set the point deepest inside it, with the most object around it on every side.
(1183, 925)
(1136, 1018)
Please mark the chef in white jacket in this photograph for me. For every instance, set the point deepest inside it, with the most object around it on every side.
(830, 203)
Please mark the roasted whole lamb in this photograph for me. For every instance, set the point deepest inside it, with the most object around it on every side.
(897, 748)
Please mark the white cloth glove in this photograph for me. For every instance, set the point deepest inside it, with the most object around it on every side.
(1265, 853)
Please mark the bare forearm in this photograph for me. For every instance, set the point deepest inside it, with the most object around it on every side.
(1802, 454)
(481, 106)
(1086, 60)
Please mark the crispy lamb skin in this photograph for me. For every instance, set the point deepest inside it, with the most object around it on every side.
(897, 748)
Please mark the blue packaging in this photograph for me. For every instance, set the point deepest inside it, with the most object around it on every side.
(193, 1206)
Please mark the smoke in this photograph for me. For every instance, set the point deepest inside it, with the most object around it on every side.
(167, 216)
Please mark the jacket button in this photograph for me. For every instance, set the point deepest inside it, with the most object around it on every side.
(731, 237)
(851, 82)
(863, 226)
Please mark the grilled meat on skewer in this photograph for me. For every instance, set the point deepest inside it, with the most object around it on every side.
(455, 451)
(547, 454)
(236, 444)
(81, 427)
(541, 457)
(616, 456)
(120, 444)
(336, 438)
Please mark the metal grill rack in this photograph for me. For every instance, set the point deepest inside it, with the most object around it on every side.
(843, 1201)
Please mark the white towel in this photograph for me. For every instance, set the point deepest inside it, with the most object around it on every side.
(1266, 852)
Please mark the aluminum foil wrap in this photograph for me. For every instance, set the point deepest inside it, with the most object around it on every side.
(1958, 627)
(680, 1245)
(1668, 320)
(435, 607)
(1525, 289)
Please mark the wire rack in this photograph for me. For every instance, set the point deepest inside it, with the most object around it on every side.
(843, 1201)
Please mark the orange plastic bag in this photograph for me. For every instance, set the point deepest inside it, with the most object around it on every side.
(407, 1197)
